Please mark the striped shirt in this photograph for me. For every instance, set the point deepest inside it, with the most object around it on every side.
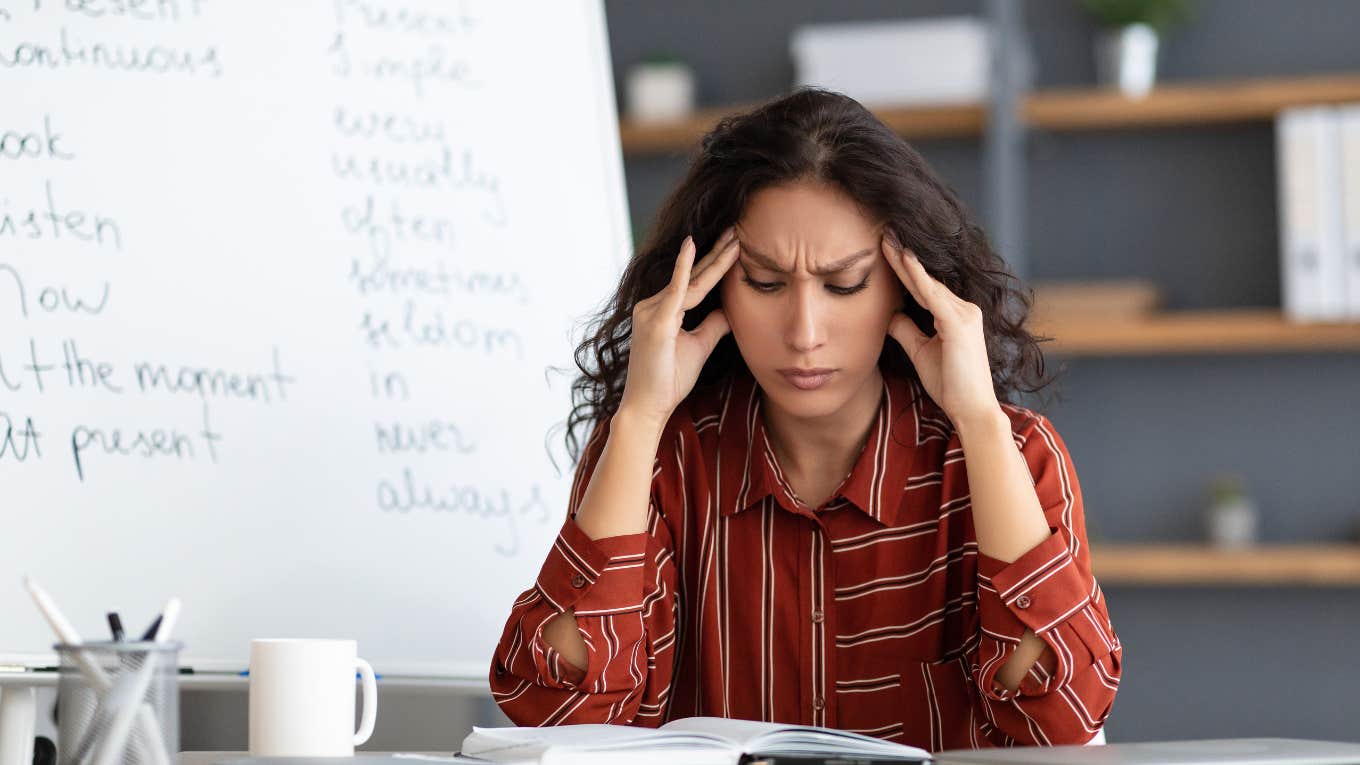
(874, 612)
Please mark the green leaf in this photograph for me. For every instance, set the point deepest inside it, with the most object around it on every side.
(1158, 14)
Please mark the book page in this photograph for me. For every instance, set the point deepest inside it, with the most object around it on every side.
(739, 732)
(770, 738)
(532, 744)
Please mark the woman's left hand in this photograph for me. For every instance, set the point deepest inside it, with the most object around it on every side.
(952, 365)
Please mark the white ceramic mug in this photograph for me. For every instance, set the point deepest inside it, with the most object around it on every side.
(302, 698)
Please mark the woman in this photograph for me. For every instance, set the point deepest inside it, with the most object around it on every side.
(835, 517)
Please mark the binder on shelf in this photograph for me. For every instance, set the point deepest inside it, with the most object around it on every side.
(1350, 205)
(1308, 163)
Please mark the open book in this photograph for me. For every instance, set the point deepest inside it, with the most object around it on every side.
(698, 740)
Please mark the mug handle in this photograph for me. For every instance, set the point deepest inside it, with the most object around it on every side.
(370, 714)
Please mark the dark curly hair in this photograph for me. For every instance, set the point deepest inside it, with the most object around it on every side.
(820, 135)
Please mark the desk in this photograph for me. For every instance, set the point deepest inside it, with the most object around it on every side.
(18, 713)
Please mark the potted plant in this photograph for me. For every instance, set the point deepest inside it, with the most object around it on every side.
(1231, 519)
(1126, 48)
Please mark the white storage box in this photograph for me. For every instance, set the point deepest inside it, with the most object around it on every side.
(938, 60)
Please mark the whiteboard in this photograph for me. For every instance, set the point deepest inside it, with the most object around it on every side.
(280, 287)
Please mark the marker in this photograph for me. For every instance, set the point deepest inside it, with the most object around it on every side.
(166, 621)
(115, 626)
(151, 631)
(65, 632)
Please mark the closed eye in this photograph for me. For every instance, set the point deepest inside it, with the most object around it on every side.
(770, 287)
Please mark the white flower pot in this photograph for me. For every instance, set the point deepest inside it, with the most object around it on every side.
(1126, 58)
(1232, 523)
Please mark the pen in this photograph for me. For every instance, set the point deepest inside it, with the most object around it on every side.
(91, 669)
(116, 626)
(151, 631)
(166, 621)
(65, 632)
(122, 715)
(116, 629)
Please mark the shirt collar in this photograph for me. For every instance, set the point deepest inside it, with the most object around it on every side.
(748, 471)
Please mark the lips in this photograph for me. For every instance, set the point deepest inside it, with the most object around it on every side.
(807, 378)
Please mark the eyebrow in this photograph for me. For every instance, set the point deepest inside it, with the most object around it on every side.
(839, 266)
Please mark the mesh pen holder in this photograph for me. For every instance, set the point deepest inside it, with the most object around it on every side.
(118, 703)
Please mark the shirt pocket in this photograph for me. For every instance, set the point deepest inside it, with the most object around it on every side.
(871, 705)
(937, 703)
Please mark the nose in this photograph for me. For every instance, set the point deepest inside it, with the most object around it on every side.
(804, 331)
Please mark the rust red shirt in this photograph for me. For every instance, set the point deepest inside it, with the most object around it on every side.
(873, 613)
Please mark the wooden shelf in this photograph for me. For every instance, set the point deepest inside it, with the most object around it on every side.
(1333, 565)
(944, 121)
(1177, 104)
(1245, 330)
(681, 135)
(1168, 105)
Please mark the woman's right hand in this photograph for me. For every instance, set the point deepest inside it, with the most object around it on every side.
(665, 360)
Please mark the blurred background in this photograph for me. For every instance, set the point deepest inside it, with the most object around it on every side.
(1137, 181)
(1174, 179)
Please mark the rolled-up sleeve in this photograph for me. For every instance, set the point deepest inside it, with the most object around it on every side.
(1069, 692)
(622, 592)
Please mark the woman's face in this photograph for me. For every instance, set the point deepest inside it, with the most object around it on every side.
(810, 290)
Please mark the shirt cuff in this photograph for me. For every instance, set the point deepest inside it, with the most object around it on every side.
(1042, 590)
(593, 576)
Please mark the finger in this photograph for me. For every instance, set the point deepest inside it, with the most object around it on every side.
(703, 283)
(712, 329)
(894, 258)
(934, 287)
(930, 292)
(680, 277)
(727, 237)
(907, 334)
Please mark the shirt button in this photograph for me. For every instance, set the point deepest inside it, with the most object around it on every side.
(1022, 601)
(579, 581)
(818, 703)
(818, 617)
